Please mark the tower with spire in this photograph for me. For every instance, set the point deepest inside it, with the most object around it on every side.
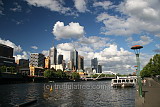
(53, 55)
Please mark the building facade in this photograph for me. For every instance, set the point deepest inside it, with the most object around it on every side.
(47, 62)
(80, 62)
(53, 56)
(6, 56)
(94, 64)
(60, 59)
(99, 69)
(23, 63)
(74, 59)
(37, 60)
(69, 65)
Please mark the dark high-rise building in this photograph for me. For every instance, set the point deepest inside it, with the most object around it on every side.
(99, 69)
(74, 59)
(37, 60)
(23, 63)
(80, 62)
(53, 56)
(6, 56)
(6, 51)
(60, 59)
(94, 64)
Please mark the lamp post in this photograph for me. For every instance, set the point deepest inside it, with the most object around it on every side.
(136, 49)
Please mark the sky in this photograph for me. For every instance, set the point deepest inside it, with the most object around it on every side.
(100, 29)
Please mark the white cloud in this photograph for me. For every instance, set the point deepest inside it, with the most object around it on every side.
(137, 16)
(25, 55)
(80, 5)
(157, 45)
(45, 52)
(144, 40)
(104, 4)
(66, 46)
(11, 44)
(94, 42)
(53, 5)
(34, 47)
(112, 51)
(73, 30)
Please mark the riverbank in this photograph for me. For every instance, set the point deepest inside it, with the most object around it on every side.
(151, 94)
(6, 78)
(17, 78)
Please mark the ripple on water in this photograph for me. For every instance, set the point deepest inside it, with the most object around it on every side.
(17, 93)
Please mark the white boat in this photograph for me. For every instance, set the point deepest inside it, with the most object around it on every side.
(123, 82)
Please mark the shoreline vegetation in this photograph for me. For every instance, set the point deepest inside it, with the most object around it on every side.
(50, 75)
(152, 68)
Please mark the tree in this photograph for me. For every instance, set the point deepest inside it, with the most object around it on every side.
(3, 69)
(49, 73)
(152, 68)
(75, 76)
(61, 74)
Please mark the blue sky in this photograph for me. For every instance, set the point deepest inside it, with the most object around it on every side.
(96, 28)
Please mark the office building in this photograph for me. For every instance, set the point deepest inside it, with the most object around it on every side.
(47, 62)
(74, 59)
(6, 56)
(94, 64)
(36, 71)
(23, 63)
(53, 56)
(99, 69)
(37, 60)
(69, 65)
(80, 62)
(60, 59)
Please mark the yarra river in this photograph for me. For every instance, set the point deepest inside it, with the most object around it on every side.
(67, 94)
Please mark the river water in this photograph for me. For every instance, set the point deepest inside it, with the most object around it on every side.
(67, 94)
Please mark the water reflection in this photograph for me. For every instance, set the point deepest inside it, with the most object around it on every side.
(84, 97)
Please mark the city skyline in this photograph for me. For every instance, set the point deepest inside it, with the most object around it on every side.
(96, 29)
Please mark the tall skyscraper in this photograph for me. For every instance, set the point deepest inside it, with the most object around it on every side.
(53, 56)
(6, 56)
(94, 64)
(60, 59)
(37, 60)
(80, 62)
(99, 69)
(74, 59)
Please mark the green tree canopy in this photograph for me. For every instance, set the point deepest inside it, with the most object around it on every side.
(152, 68)
(61, 74)
(75, 75)
(49, 73)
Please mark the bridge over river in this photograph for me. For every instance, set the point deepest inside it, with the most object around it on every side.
(98, 79)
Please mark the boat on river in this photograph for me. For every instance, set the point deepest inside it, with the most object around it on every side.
(124, 82)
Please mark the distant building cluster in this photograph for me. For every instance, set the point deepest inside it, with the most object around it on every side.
(37, 63)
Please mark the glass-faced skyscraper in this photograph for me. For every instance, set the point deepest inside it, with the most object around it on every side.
(74, 59)
(60, 59)
(94, 64)
(53, 56)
